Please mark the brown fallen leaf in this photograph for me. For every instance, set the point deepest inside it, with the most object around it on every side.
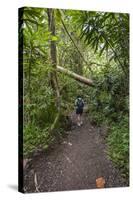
(100, 182)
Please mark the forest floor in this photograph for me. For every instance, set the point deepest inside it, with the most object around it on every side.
(73, 164)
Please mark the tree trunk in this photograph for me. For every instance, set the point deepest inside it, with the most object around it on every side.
(53, 55)
(29, 85)
(75, 76)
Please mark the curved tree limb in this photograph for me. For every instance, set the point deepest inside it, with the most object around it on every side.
(74, 42)
(113, 50)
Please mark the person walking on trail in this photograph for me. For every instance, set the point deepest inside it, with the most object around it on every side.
(79, 103)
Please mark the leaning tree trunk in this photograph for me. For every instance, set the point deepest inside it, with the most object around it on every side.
(29, 84)
(53, 55)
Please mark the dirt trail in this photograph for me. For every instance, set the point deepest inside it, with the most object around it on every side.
(74, 164)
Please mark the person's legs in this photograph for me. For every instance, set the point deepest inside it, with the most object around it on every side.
(81, 121)
(78, 119)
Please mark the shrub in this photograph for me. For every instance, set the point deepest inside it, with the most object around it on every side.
(34, 137)
(118, 143)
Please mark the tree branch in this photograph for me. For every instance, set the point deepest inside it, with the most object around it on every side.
(75, 76)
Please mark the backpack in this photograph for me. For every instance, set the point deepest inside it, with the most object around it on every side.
(80, 103)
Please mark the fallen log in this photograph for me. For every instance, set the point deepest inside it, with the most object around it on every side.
(75, 76)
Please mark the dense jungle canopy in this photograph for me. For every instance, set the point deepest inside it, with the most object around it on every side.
(65, 53)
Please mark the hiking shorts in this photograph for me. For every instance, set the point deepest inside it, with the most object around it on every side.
(79, 111)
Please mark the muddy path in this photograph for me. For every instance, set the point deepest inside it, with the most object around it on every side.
(74, 164)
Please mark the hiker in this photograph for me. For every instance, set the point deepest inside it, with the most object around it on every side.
(79, 103)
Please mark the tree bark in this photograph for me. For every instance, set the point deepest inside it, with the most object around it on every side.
(75, 76)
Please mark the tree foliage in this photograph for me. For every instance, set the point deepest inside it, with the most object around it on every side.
(108, 32)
